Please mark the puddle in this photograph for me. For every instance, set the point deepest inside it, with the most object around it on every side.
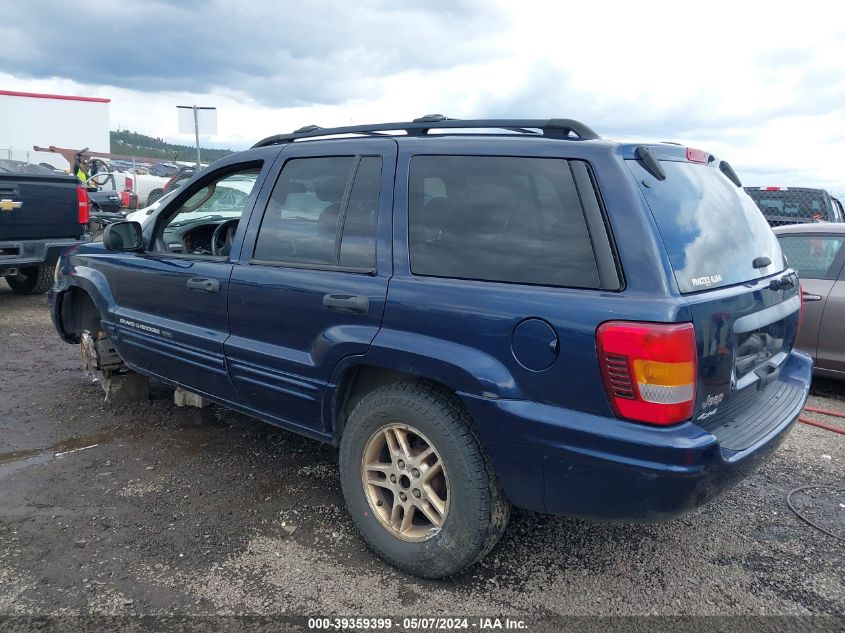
(14, 461)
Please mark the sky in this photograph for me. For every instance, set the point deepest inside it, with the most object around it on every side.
(760, 84)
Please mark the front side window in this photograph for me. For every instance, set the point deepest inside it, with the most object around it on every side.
(811, 255)
(206, 222)
(517, 220)
(322, 212)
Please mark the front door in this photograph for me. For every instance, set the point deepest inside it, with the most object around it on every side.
(310, 285)
(171, 317)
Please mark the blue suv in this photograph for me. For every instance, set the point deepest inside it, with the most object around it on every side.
(478, 313)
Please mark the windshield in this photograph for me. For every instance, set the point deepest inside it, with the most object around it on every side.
(712, 230)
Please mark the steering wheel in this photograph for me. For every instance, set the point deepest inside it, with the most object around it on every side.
(221, 239)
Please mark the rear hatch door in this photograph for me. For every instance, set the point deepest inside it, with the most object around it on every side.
(742, 300)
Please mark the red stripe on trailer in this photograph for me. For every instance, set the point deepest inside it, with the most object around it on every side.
(38, 95)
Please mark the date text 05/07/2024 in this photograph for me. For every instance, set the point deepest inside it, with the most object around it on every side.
(417, 623)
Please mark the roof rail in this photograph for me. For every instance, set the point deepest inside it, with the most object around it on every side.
(549, 128)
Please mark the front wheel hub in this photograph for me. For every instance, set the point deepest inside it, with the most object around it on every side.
(415, 514)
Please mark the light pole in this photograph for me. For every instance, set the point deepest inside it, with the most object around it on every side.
(204, 117)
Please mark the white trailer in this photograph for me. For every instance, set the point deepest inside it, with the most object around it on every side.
(29, 118)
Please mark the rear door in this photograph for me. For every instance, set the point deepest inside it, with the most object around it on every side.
(742, 300)
(816, 258)
(311, 283)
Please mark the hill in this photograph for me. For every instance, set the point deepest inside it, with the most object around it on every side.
(134, 144)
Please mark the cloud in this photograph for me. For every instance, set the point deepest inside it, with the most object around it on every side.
(763, 89)
(278, 54)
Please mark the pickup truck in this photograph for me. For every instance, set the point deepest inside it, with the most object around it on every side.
(41, 214)
(782, 206)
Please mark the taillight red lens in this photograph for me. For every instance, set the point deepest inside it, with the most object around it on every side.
(649, 370)
(127, 183)
(84, 205)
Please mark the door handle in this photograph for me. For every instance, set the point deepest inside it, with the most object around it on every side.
(203, 283)
(807, 296)
(347, 303)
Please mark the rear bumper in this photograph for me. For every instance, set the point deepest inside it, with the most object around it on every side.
(18, 253)
(564, 462)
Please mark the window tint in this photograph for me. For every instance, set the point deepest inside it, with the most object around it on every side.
(499, 219)
(712, 231)
(307, 213)
(811, 255)
(358, 244)
(300, 223)
(191, 228)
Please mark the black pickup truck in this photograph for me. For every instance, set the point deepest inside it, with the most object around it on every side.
(41, 214)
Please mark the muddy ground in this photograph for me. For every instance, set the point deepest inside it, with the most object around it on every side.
(186, 511)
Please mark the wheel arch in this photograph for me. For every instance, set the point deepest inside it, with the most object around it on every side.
(453, 367)
(83, 303)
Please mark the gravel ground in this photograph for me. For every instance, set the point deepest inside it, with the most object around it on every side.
(173, 510)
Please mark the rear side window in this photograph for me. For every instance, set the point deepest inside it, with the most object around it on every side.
(711, 229)
(812, 255)
(517, 220)
(322, 212)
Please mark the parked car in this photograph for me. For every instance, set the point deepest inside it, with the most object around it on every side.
(815, 252)
(176, 179)
(41, 214)
(794, 205)
(138, 180)
(535, 317)
(146, 214)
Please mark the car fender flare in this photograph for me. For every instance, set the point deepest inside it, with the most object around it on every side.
(95, 284)
(462, 369)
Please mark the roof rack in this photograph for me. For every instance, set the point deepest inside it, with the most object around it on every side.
(549, 128)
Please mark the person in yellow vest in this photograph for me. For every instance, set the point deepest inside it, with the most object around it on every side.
(81, 165)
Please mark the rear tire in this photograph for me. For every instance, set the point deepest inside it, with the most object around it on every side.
(32, 280)
(476, 512)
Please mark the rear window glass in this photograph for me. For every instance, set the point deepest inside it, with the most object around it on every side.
(489, 218)
(712, 230)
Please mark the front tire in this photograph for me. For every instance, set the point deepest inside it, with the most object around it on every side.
(417, 482)
(32, 280)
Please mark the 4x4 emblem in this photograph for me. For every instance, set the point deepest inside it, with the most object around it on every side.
(9, 205)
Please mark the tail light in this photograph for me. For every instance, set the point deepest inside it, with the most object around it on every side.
(127, 183)
(84, 211)
(697, 155)
(649, 370)
(125, 199)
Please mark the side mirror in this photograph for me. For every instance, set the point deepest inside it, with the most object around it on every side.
(123, 236)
